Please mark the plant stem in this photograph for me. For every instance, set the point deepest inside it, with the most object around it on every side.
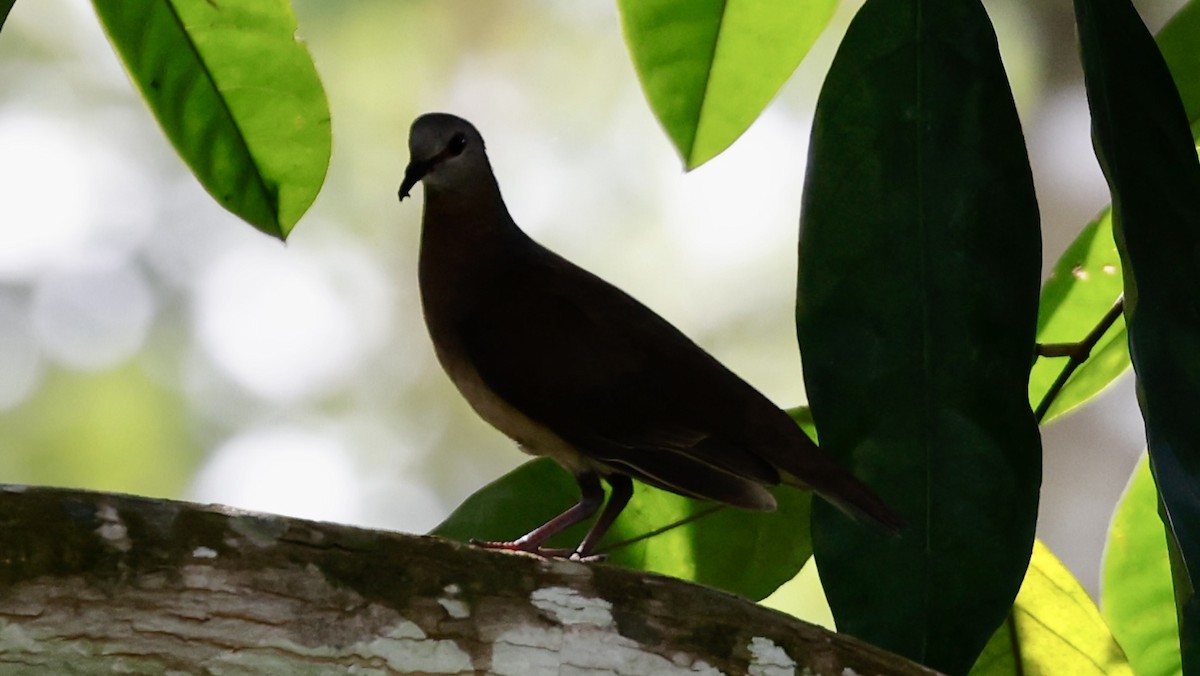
(657, 531)
(1078, 353)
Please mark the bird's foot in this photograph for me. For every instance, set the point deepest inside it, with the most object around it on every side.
(587, 558)
(544, 552)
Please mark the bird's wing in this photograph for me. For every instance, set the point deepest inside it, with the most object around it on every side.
(615, 380)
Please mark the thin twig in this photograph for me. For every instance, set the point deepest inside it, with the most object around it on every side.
(1078, 353)
(658, 531)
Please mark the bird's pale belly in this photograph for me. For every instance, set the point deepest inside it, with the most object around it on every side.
(532, 437)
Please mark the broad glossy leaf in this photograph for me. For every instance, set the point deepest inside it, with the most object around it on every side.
(747, 553)
(709, 67)
(236, 94)
(1142, 138)
(1054, 628)
(1082, 287)
(1135, 591)
(916, 314)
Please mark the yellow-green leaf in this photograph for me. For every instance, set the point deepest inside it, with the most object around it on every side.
(1136, 591)
(237, 95)
(1054, 628)
(709, 67)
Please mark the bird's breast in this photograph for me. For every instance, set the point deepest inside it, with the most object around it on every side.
(533, 437)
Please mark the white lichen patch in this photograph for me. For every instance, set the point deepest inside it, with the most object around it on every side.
(585, 641)
(768, 659)
(204, 553)
(569, 607)
(407, 650)
(584, 649)
(455, 608)
(112, 528)
(849, 672)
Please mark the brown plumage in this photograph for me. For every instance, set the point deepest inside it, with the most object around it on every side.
(573, 368)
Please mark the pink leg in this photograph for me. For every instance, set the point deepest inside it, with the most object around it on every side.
(622, 490)
(590, 499)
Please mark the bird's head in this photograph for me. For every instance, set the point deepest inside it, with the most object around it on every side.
(444, 151)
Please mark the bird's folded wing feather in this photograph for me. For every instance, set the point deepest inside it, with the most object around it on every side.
(612, 378)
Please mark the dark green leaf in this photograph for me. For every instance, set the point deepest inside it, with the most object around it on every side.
(917, 306)
(1142, 138)
(1084, 284)
(1135, 590)
(747, 553)
(236, 94)
(709, 67)
(1054, 628)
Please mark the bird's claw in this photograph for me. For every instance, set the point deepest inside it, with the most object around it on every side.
(544, 552)
(587, 558)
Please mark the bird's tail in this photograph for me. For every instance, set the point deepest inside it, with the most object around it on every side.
(813, 468)
(860, 503)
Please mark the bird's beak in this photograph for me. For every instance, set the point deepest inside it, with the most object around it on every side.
(415, 171)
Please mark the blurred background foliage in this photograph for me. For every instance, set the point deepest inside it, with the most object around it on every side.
(151, 343)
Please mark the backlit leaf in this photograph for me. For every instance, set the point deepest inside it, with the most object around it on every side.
(236, 94)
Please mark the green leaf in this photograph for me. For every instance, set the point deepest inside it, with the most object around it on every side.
(803, 597)
(802, 416)
(916, 313)
(709, 67)
(236, 94)
(1083, 286)
(1142, 138)
(747, 553)
(1177, 41)
(1087, 278)
(1135, 589)
(1054, 628)
(514, 504)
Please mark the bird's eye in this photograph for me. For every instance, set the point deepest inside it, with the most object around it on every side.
(457, 144)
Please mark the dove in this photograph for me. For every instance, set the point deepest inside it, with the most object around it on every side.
(572, 368)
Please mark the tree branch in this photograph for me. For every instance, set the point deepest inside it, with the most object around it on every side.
(96, 583)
